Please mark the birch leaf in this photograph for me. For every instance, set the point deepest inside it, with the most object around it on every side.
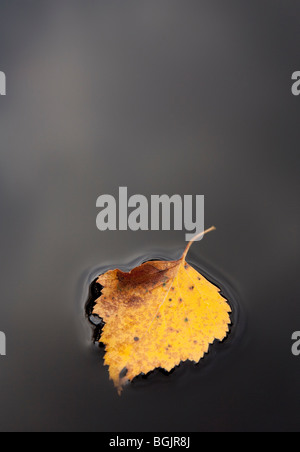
(158, 315)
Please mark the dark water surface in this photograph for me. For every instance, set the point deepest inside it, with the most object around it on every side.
(186, 97)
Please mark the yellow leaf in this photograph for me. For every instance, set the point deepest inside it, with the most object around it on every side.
(158, 315)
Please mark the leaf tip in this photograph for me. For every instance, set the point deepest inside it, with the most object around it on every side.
(198, 236)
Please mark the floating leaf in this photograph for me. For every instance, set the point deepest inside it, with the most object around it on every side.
(158, 315)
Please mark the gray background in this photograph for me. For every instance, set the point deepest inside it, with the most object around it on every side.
(161, 96)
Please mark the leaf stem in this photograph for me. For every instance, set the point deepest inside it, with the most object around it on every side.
(194, 239)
